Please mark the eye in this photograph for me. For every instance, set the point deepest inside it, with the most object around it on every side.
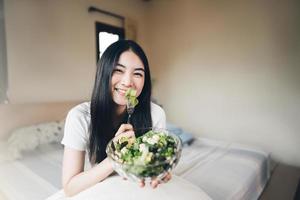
(138, 74)
(118, 71)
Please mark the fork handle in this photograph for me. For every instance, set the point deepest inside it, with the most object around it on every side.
(128, 119)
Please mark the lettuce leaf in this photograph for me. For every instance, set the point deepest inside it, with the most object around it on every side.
(131, 97)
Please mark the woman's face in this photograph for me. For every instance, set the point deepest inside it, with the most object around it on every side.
(128, 73)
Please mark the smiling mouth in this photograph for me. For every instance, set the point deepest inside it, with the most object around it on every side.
(120, 91)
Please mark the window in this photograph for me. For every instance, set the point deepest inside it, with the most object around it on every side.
(106, 35)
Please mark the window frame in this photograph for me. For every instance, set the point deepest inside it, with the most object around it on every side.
(102, 27)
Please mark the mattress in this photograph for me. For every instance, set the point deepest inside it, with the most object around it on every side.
(35, 176)
(225, 171)
(222, 170)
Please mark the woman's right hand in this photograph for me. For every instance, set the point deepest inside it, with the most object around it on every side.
(125, 130)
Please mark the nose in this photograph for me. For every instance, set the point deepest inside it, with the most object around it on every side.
(127, 80)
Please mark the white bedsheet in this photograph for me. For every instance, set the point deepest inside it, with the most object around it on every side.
(20, 183)
(219, 170)
(225, 170)
(115, 188)
(35, 177)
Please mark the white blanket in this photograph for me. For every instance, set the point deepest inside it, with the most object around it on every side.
(115, 188)
(225, 171)
(17, 182)
(207, 169)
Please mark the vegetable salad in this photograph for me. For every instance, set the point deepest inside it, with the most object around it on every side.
(146, 156)
(131, 96)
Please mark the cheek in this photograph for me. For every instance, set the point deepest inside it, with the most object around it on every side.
(139, 86)
(114, 80)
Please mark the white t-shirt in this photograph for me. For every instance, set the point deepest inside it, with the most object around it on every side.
(76, 132)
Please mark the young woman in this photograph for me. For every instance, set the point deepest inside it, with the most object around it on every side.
(90, 125)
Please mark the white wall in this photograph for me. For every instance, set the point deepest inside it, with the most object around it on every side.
(51, 46)
(230, 70)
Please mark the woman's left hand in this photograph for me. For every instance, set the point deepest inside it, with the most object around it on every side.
(155, 182)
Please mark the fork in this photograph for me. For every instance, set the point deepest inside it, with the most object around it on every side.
(130, 110)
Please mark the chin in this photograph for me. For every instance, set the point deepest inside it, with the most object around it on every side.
(120, 102)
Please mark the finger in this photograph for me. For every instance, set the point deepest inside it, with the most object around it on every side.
(123, 128)
(126, 134)
(142, 183)
(154, 183)
(167, 177)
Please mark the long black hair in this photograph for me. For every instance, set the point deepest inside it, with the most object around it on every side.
(102, 106)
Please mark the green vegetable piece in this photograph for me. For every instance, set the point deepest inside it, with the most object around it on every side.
(150, 160)
(131, 97)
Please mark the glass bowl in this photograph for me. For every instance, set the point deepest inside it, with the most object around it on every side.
(145, 157)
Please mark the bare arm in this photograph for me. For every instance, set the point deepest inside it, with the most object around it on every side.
(74, 178)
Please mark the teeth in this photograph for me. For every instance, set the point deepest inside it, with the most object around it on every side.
(120, 90)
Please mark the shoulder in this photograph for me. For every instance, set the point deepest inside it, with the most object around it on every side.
(79, 115)
(158, 116)
(156, 110)
(76, 131)
(81, 109)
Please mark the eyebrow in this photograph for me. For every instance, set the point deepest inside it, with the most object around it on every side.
(136, 69)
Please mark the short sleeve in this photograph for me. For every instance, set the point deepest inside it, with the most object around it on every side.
(158, 116)
(76, 130)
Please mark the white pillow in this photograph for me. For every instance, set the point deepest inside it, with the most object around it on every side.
(29, 137)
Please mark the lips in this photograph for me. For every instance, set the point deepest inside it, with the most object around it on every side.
(121, 92)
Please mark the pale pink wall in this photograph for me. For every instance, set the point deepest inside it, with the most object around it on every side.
(230, 70)
(51, 46)
(13, 116)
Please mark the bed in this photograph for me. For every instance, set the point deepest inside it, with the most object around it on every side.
(222, 170)
(208, 169)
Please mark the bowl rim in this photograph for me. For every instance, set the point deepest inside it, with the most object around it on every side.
(168, 132)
